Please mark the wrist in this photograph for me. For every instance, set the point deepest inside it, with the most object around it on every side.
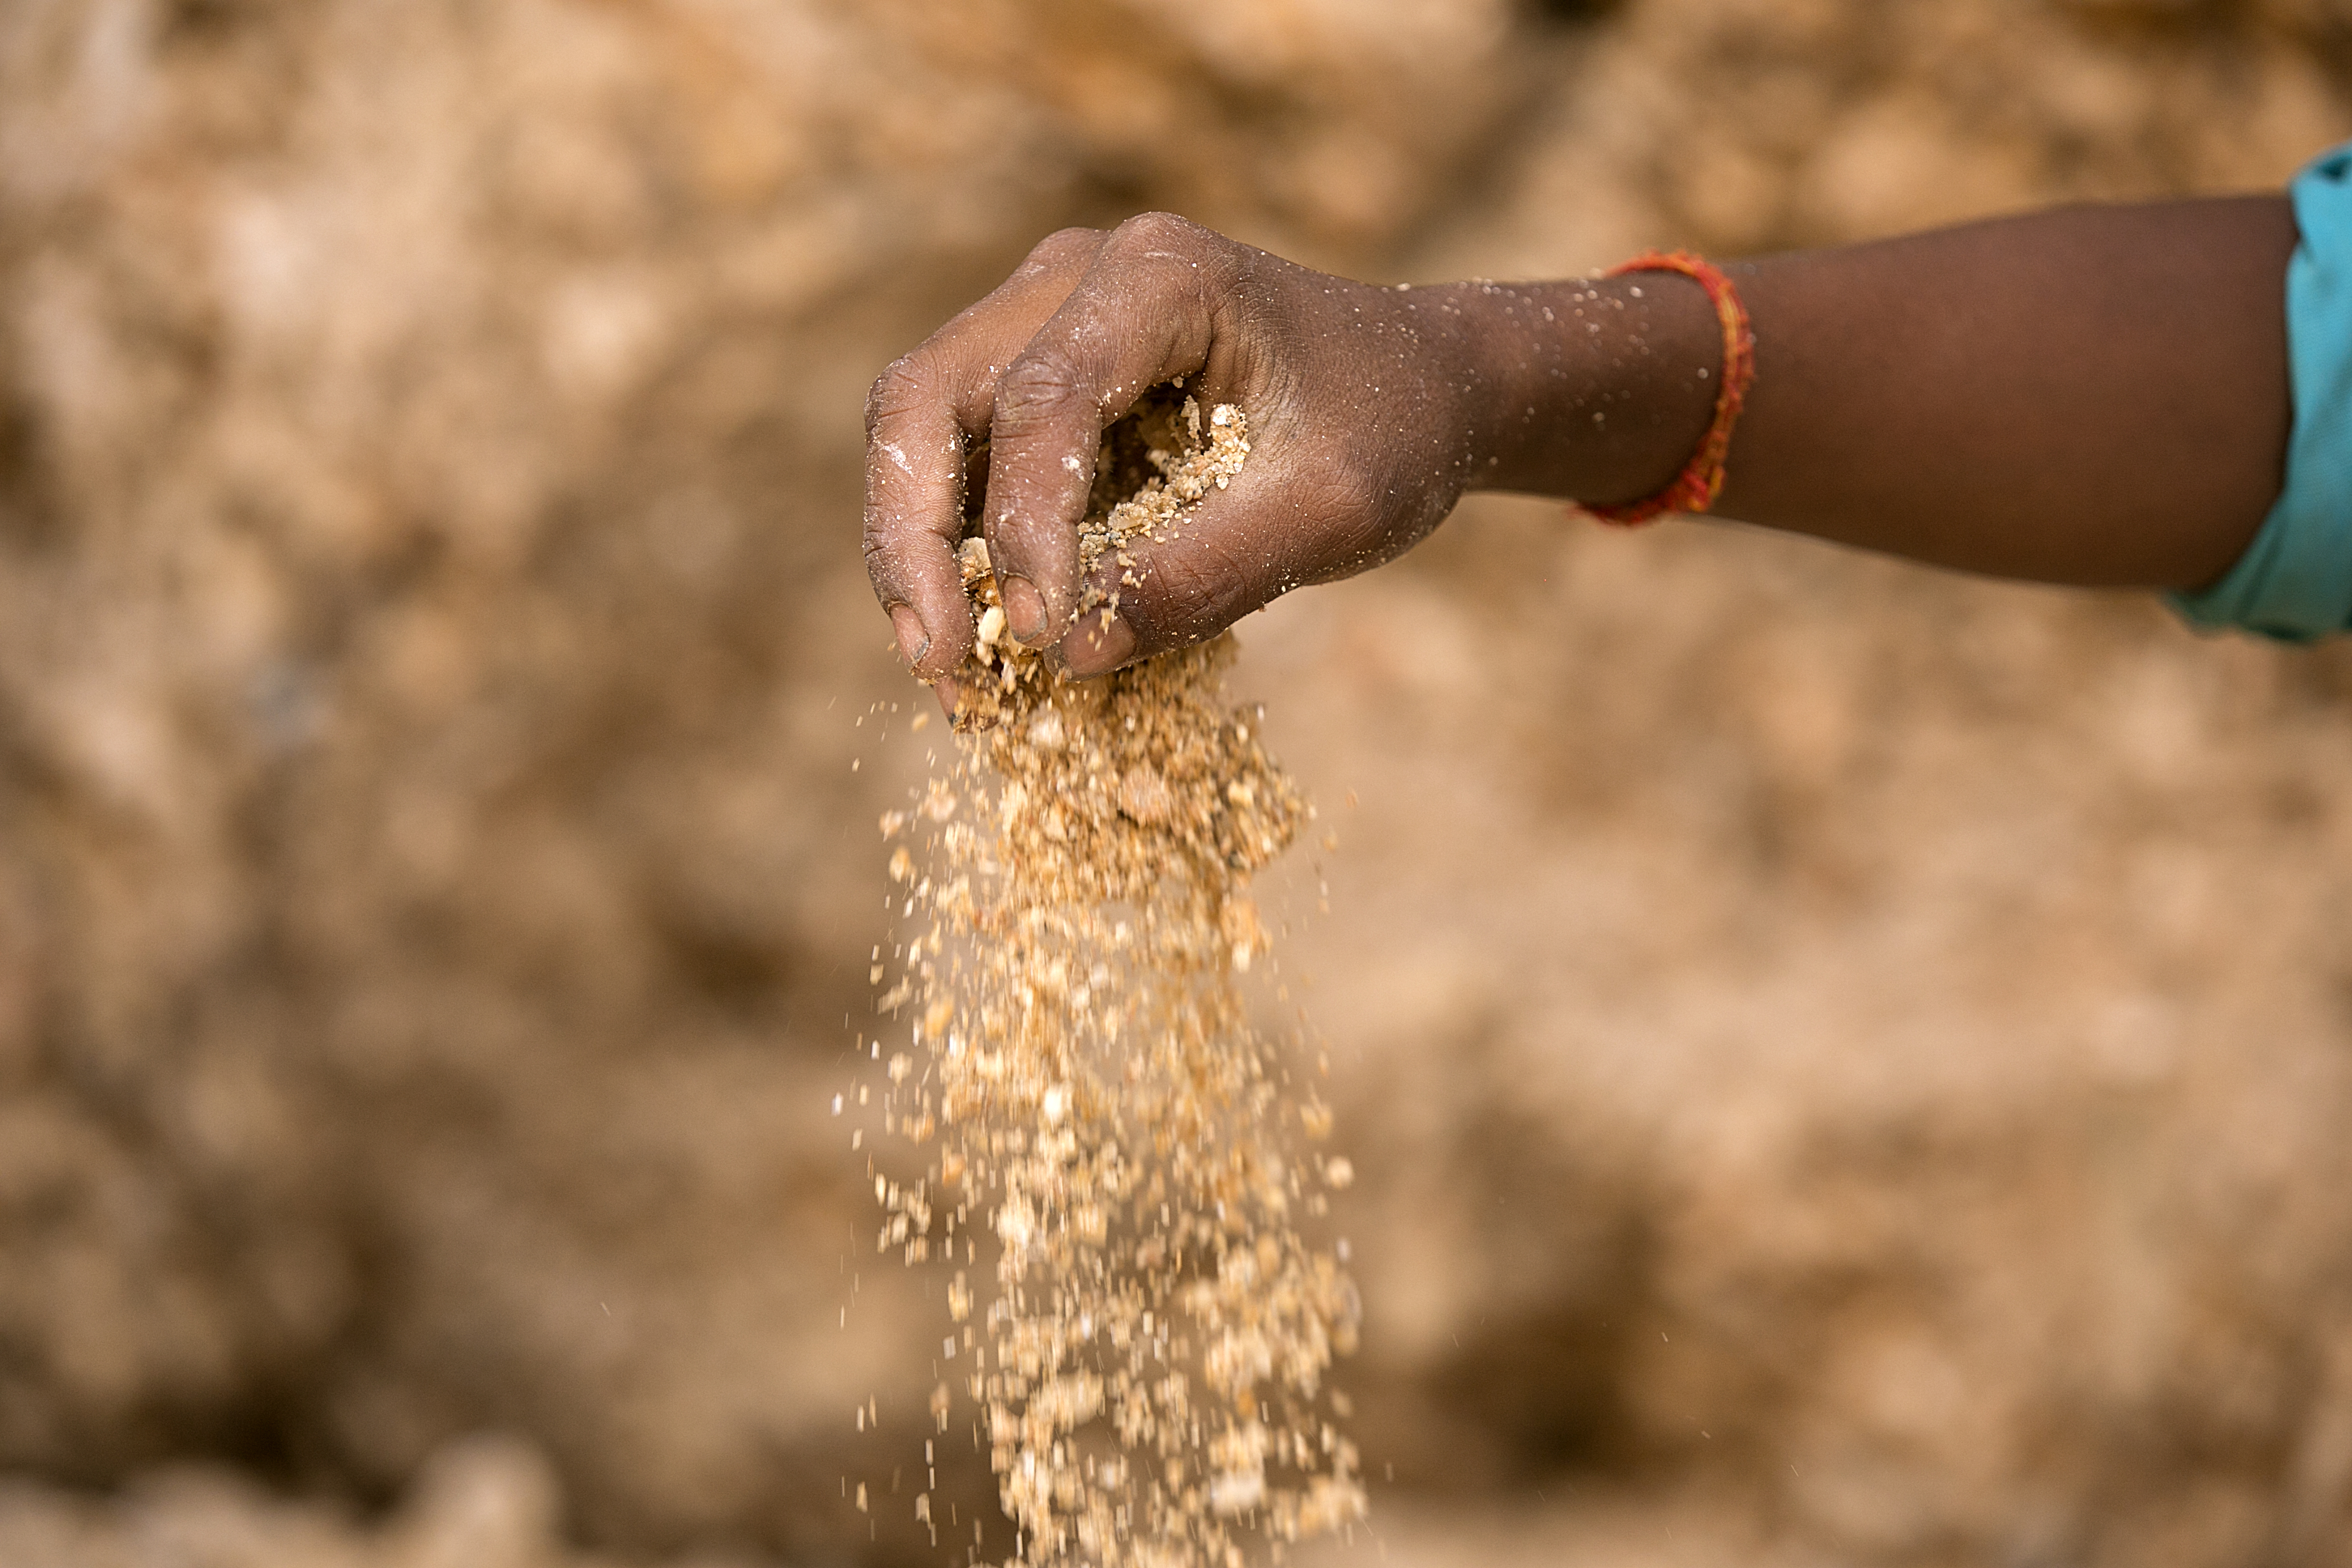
(1594, 391)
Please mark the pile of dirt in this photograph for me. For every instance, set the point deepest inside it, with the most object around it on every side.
(1860, 1050)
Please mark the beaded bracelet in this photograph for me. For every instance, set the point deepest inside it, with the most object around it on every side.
(1701, 480)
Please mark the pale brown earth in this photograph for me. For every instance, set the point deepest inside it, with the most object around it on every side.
(1842, 1065)
(1116, 1173)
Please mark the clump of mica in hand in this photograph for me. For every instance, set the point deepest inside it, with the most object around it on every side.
(1119, 1161)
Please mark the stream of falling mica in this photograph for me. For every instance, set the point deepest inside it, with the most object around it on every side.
(1117, 1162)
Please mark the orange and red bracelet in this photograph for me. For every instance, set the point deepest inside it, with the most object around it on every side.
(1701, 480)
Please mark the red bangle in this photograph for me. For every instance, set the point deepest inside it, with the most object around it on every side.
(1701, 480)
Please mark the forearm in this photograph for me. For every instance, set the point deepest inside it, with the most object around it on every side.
(2088, 396)
(2093, 395)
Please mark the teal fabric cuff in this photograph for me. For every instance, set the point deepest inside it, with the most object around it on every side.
(2295, 580)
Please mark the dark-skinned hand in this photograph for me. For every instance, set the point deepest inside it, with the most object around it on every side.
(1369, 411)
(2089, 394)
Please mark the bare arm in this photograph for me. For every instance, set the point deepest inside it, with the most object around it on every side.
(2092, 394)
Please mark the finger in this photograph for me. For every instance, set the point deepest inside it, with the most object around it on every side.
(1212, 566)
(1148, 310)
(917, 418)
(914, 504)
(1236, 550)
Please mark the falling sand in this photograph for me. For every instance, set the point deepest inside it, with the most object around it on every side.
(1117, 1163)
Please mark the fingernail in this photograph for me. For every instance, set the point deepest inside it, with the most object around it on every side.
(913, 641)
(1093, 648)
(1025, 607)
(951, 696)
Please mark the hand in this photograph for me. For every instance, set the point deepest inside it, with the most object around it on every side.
(2091, 395)
(1360, 402)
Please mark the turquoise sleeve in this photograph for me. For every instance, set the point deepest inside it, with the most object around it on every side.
(2295, 580)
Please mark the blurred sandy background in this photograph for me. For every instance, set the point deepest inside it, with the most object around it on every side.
(1845, 1066)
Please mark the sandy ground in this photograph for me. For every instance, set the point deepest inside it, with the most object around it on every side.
(1843, 1065)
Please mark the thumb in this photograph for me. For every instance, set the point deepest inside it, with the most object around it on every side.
(1244, 533)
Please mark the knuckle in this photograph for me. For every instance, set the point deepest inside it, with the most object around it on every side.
(1166, 255)
(1061, 248)
(1163, 231)
(1194, 591)
(1354, 496)
(904, 386)
(881, 552)
(1360, 501)
(1034, 387)
(1365, 523)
